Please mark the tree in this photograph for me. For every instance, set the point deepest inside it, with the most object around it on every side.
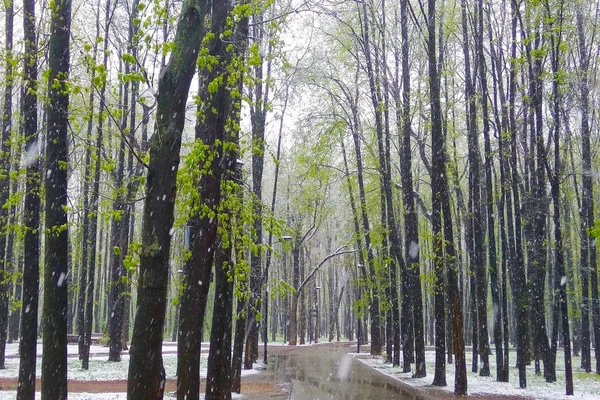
(588, 247)
(5, 161)
(411, 231)
(31, 216)
(54, 358)
(93, 203)
(146, 372)
(560, 301)
(440, 208)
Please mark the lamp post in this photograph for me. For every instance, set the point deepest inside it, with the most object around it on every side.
(285, 238)
(360, 266)
(317, 288)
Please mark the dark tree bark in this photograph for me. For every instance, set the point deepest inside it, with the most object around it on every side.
(588, 248)
(258, 115)
(219, 374)
(218, 378)
(85, 236)
(5, 165)
(31, 214)
(492, 265)
(117, 231)
(54, 358)
(93, 203)
(560, 278)
(504, 201)
(270, 240)
(376, 339)
(517, 268)
(481, 348)
(444, 254)
(411, 226)
(537, 205)
(212, 131)
(146, 372)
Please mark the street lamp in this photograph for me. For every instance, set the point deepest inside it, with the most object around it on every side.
(285, 238)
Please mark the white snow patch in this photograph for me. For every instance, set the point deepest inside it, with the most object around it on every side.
(586, 385)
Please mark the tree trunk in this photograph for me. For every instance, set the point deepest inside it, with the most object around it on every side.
(146, 372)
(517, 267)
(54, 359)
(218, 378)
(212, 131)
(411, 226)
(440, 208)
(85, 236)
(5, 165)
(118, 225)
(31, 213)
(560, 278)
(492, 265)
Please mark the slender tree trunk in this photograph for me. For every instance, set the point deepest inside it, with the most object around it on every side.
(376, 339)
(411, 223)
(85, 237)
(118, 225)
(560, 278)
(588, 258)
(492, 265)
(93, 203)
(517, 269)
(31, 213)
(5, 165)
(441, 209)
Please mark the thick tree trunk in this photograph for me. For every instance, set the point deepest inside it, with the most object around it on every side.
(146, 372)
(54, 359)
(213, 131)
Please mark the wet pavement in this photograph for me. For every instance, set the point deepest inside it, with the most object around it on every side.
(327, 372)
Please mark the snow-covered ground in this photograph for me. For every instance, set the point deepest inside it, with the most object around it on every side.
(586, 385)
(11, 395)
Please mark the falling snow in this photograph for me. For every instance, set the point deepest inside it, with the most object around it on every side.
(61, 279)
(32, 154)
(413, 250)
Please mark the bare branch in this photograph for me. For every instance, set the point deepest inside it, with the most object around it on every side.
(312, 273)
